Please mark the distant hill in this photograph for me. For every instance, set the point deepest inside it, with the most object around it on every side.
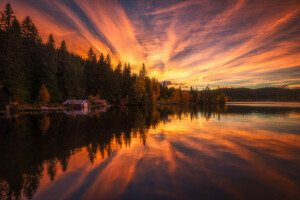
(262, 94)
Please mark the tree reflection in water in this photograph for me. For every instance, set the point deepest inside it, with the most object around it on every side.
(30, 142)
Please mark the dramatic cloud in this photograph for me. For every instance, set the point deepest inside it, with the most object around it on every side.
(250, 43)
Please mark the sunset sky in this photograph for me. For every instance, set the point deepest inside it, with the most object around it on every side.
(232, 43)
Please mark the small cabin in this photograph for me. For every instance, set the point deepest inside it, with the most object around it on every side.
(77, 104)
(4, 100)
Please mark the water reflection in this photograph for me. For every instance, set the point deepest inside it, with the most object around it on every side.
(154, 152)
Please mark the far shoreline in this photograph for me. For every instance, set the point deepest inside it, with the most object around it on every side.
(264, 103)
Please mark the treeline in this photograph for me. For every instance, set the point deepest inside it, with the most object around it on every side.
(261, 94)
(170, 95)
(38, 72)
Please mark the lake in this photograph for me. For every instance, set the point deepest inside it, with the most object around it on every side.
(237, 151)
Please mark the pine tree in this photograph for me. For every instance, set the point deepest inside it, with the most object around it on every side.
(7, 18)
(143, 72)
(50, 43)
(18, 72)
(50, 70)
(33, 55)
(64, 72)
(127, 81)
(117, 90)
(91, 73)
(30, 32)
(101, 74)
(108, 80)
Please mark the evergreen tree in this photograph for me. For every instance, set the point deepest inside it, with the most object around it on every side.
(101, 74)
(30, 32)
(91, 73)
(108, 80)
(117, 90)
(127, 81)
(33, 55)
(50, 70)
(50, 43)
(143, 72)
(7, 18)
(63, 72)
(18, 83)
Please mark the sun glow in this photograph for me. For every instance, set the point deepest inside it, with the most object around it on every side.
(198, 43)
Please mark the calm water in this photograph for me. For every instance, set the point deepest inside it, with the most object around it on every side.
(232, 152)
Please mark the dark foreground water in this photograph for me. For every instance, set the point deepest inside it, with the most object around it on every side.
(231, 152)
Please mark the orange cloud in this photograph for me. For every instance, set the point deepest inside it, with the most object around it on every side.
(198, 43)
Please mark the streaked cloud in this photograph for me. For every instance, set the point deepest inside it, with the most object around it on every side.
(194, 42)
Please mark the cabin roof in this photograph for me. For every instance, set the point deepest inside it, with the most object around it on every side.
(5, 89)
(74, 102)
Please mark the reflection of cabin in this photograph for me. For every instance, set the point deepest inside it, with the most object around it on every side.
(4, 99)
(100, 102)
(83, 111)
(77, 104)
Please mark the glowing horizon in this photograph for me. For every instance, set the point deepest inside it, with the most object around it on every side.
(235, 43)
